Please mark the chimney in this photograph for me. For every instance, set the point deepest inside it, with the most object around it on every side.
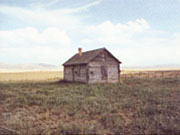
(80, 51)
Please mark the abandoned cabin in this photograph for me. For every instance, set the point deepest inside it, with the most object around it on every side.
(95, 66)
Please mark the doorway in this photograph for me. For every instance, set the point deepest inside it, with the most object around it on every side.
(104, 74)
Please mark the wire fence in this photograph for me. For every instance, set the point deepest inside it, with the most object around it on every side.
(151, 74)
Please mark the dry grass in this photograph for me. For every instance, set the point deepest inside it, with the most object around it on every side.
(151, 73)
(133, 106)
(55, 75)
(31, 76)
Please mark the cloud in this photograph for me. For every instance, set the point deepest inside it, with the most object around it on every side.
(40, 17)
(32, 37)
(44, 4)
(28, 45)
(36, 54)
(119, 33)
(82, 8)
(176, 38)
(135, 43)
(51, 34)
(45, 39)
(151, 51)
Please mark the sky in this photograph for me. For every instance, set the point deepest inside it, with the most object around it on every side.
(138, 32)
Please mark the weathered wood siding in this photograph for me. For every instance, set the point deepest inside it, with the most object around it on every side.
(76, 73)
(80, 73)
(103, 68)
(94, 73)
(111, 65)
(68, 74)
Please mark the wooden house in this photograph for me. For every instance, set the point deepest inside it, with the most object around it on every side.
(95, 66)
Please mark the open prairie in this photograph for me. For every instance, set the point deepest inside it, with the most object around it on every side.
(31, 76)
(43, 104)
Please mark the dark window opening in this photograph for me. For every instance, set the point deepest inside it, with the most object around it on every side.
(92, 73)
(77, 72)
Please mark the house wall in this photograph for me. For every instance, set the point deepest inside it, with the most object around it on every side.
(68, 74)
(80, 73)
(94, 69)
(76, 73)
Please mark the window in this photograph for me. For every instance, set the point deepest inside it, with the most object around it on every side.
(77, 71)
(92, 73)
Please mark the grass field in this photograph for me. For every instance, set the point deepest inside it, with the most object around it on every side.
(31, 76)
(133, 106)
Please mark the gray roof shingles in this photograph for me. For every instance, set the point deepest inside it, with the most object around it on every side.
(86, 57)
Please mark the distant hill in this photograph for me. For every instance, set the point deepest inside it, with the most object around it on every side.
(27, 67)
(167, 66)
(4, 67)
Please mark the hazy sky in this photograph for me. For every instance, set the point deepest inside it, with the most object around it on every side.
(137, 32)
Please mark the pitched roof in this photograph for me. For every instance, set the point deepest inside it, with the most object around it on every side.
(86, 57)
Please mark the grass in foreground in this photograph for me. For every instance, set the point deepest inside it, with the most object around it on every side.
(134, 106)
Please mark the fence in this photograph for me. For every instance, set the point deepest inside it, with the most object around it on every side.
(151, 74)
